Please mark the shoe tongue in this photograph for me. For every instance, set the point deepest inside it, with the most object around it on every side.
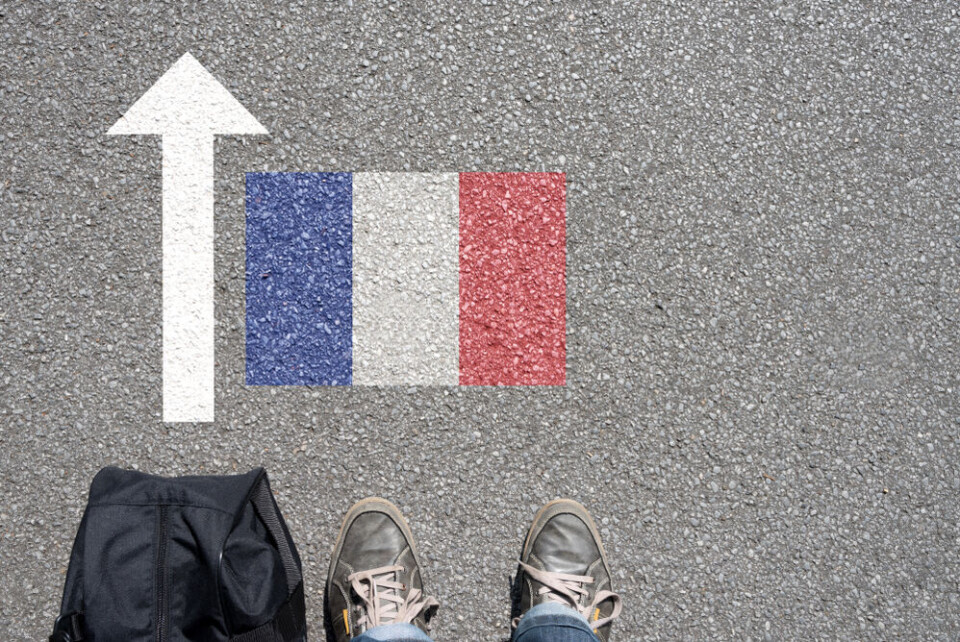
(566, 545)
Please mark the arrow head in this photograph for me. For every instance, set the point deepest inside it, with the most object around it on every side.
(187, 100)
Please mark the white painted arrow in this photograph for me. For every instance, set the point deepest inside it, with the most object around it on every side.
(187, 107)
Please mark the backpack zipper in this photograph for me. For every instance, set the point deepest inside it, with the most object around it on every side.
(161, 573)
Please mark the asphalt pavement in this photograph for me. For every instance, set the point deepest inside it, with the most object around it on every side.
(763, 294)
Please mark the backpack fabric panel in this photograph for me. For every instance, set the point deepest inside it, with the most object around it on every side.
(189, 558)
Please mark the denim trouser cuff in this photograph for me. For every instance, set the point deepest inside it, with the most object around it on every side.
(394, 633)
(553, 622)
(543, 623)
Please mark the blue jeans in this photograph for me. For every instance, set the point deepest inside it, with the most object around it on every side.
(542, 623)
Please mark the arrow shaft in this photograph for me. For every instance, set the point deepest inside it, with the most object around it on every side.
(188, 307)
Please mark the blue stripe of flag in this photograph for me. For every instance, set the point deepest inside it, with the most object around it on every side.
(299, 278)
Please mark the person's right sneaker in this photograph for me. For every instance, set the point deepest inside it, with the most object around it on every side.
(563, 561)
(374, 577)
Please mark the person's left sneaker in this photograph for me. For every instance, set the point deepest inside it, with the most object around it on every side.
(563, 562)
(374, 577)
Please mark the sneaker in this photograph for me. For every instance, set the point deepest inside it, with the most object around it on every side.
(374, 577)
(563, 561)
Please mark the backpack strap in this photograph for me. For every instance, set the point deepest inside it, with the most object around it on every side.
(285, 625)
(267, 510)
(68, 628)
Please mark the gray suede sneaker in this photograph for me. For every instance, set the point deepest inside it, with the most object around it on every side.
(374, 577)
(563, 561)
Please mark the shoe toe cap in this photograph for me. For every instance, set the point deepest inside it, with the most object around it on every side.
(566, 544)
(373, 540)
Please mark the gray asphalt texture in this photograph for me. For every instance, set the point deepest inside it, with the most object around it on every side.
(763, 297)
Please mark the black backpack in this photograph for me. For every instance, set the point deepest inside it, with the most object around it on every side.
(204, 559)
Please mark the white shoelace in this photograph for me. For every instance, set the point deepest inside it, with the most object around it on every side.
(383, 602)
(570, 590)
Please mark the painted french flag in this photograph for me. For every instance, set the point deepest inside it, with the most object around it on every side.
(406, 278)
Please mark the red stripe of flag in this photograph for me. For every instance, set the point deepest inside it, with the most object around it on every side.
(513, 279)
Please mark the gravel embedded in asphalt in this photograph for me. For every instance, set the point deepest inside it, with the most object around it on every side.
(763, 297)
